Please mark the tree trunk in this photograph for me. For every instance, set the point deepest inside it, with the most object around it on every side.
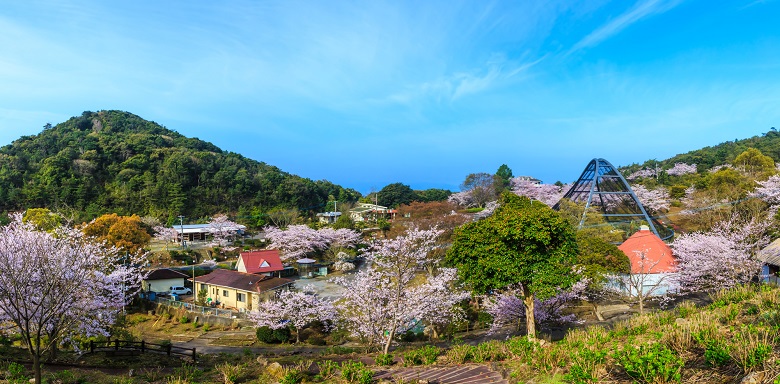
(37, 368)
(530, 320)
(596, 311)
(297, 336)
(641, 304)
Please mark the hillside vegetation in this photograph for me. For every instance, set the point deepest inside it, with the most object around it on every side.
(114, 161)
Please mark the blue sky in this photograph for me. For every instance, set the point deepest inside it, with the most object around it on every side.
(368, 93)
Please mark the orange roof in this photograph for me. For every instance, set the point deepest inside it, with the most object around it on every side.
(658, 257)
(260, 261)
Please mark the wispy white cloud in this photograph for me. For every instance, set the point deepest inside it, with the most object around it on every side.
(641, 10)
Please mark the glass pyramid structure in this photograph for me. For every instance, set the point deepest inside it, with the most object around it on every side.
(605, 192)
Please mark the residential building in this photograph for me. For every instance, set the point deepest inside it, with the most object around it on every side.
(770, 256)
(328, 217)
(161, 280)
(371, 212)
(238, 290)
(649, 255)
(199, 232)
(265, 262)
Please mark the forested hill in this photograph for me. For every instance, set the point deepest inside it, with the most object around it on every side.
(114, 161)
(723, 153)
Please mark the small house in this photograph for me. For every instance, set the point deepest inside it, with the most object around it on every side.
(649, 255)
(371, 212)
(161, 280)
(770, 257)
(238, 290)
(328, 217)
(265, 262)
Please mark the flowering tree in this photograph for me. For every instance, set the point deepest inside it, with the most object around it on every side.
(463, 199)
(722, 257)
(57, 286)
(296, 241)
(680, 169)
(768, 190)
(222, 230)
(343, 266)
(391, 296)
(165, 234)
(546, 193)
(507, 308)
(642, 173)
(655, 200)
(295, 310)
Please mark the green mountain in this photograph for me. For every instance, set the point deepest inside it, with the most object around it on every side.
(114, 161)
(723, 153)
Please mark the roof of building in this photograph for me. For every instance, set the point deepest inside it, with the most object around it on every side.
(770, 254)
(328, 214)
(165, 273)
(242, 281)
(658, 257)
(261, 261)
(200, 228)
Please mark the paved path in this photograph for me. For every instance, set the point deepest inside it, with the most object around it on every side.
(462, 374)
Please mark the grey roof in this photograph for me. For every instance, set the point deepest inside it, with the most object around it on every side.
(770, 254)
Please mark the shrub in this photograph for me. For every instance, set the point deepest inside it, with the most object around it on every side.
(282, 334)
(651, 363)
(184, 319)
(384, 359)
(316, 340)
(492, 350)
(585, 365)
(265, 334)
(16, 373)
(206, 327)
(356, 372)
(188, 372)
(716, 353)
(686, 308)
(750, 347)
(230, 373)
(65, 377)
(292, 376)
(327, 368)
(521, 348)
(422, 356)
(459, 354)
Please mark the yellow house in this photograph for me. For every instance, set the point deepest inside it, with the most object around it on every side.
(238, 290)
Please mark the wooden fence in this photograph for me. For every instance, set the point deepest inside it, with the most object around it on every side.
(143, 346)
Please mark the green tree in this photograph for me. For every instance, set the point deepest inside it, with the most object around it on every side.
(504, 174)
(598, 258)
(524, 242)
(393, 195)
(755, 163)
(42, 218)
(482, 187)
(433, 194)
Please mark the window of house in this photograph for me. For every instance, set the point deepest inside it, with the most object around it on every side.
(225, 293)
(240, 297)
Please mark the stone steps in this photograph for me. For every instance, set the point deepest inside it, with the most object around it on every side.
(462, 374)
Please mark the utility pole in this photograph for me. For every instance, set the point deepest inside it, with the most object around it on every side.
(181, 223)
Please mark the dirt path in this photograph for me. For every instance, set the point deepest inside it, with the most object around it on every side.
(240, 341)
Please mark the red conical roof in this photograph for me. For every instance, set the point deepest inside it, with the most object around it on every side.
(658, 257)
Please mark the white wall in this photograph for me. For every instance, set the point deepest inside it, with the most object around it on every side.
(162, 285)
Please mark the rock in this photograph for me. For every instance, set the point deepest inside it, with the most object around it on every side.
(131, 373)
(275, 369)
(262, 360)
(753, 378)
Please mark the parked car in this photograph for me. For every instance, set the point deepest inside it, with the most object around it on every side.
(180, 290)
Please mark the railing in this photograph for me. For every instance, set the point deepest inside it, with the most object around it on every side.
(772, 279)
(143, 346)
(200, 309)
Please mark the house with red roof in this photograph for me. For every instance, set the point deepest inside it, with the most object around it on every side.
(265, 262)
(651, 257)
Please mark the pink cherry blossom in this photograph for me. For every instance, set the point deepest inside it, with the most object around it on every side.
(294, 309)
(680, 169)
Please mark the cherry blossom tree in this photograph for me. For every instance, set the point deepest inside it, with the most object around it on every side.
(294, 309)
(768, 190)
(507, 308)
(55, 286)
(165, 234)
(680, 169)
(343, 266)
(392, 296)
(546, 193)
(222, 230)
(296, 241)
(642, 173)
(655, 200)
(722, 257)
(463, 199)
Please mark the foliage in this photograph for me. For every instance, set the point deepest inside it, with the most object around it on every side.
(124, 232)
(425, 355)
(507, 308)
(548, 194)
(356, 372)
(432, 194)
(480, 188)
(651, 363)
(42, 219)
(755, 163)
(524, 242)
(384, 359)
(504, 174)
(114, 161)
(230, 372)
(393, 195)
